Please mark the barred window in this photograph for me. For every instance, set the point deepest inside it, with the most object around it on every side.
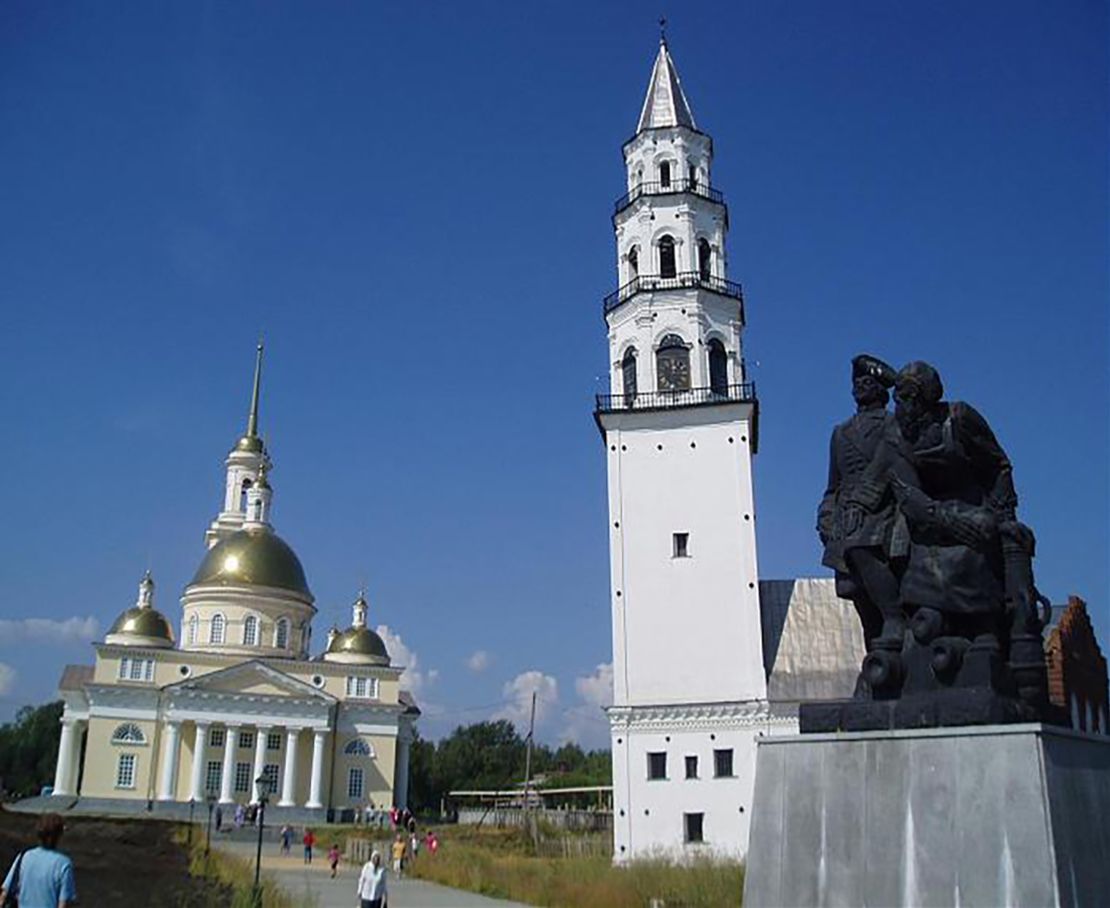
(270, 778)
(354, 783)
(243, 777)
(362, 688)
(191, 634)
(125, 771)
(216, 629)
(246, 739)
(250, 631)
(281, 634)
(273, 740)
(213, 776)
(216, 737)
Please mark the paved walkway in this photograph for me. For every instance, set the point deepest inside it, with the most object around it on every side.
(315, 882)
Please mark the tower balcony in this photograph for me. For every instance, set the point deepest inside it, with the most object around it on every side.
(644, 401)
(681, 281)
(697, 187)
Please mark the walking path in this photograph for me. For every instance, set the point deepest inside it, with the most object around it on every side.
(314, 882)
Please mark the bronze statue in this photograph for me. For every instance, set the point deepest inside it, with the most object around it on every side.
(973, 651)
(858, 526)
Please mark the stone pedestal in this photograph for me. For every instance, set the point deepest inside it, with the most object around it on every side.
(990, 815)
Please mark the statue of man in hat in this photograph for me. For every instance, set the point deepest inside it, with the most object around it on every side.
(858, 519)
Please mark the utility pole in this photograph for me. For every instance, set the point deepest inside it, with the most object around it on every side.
(528, 771)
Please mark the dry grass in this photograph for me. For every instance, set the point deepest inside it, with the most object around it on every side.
(496, 863)
(237, 874)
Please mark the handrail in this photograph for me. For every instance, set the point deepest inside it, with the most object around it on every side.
(698, 187)
(680, 281)
(688, 397)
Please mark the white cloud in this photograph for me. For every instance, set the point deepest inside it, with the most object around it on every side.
(7, 679)
(597, 689)
(48, 630)
(413, 679)
(478, 661)
(518, 693)
(585, 723)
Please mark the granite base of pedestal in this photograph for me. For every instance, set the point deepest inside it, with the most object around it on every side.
(988, 815)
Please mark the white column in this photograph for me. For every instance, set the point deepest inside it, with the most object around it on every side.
(63, 774)
(289, 776)
(316, 790)
(170, 738)
(229, 764)
(401, 775)
(259, 760)
(196, 782)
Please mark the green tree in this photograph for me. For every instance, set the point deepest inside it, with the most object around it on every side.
(29, 747)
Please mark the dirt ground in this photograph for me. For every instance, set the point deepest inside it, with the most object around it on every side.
(118, 862)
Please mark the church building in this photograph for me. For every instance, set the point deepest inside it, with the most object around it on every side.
(225, 701)
(706, 657)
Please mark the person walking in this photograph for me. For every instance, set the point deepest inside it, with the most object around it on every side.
(333, 858)
(309, 840)
(286, 838)
(399, 855)
(42, 877)
(219, 818)
(371, 883)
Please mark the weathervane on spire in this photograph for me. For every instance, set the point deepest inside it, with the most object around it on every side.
(663, 30)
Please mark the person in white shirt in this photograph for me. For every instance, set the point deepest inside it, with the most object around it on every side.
(371, 883)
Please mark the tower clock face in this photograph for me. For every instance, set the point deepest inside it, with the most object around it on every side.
(674, 370)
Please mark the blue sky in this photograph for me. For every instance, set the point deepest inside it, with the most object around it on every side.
(412, 202)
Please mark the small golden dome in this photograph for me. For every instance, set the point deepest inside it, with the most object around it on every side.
(143, 622)
(251, 444)
(360, 641)
(253, 557)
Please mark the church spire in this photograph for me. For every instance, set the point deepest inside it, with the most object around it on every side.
(252, 419)
(665, 103)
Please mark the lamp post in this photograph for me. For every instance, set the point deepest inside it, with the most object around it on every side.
(210, 800)
(189, 839)
(262, 788)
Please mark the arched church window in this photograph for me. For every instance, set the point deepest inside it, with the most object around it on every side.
(666, 256)
(672, 364)
(628, 375)
(243, 495)
(128, 733)
(665, 174)
(217, 628)
(250, 631)
(281, 633)
(633, 262)
(718, 367)
(705, 259)
(358, 748)
(694, 177)
(191, 632)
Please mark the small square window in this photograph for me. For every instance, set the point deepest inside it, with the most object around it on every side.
(273, 740)
(722, 763)
(246, 739)
(681, 545)
(216, 737)
(691, 767)
(657, 765)
(694, 823)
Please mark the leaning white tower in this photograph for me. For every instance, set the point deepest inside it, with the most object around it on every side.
(680, 428)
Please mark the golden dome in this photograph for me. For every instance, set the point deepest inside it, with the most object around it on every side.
(253, 557)
(252, 444)
(360, 641)
(143, 622)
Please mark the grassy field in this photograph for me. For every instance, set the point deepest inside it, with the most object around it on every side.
(499, 863)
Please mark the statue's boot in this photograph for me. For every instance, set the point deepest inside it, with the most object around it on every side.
(893, 634)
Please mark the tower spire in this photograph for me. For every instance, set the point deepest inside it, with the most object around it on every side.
(665, 103)
(252, 419)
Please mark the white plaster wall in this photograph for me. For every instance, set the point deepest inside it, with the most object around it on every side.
(685, 630)
(648, 814)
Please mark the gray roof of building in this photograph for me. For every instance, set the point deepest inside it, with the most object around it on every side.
(74, 677)
(665, 103)
(812, 641)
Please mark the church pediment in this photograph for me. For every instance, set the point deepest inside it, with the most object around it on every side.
(251, 679)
